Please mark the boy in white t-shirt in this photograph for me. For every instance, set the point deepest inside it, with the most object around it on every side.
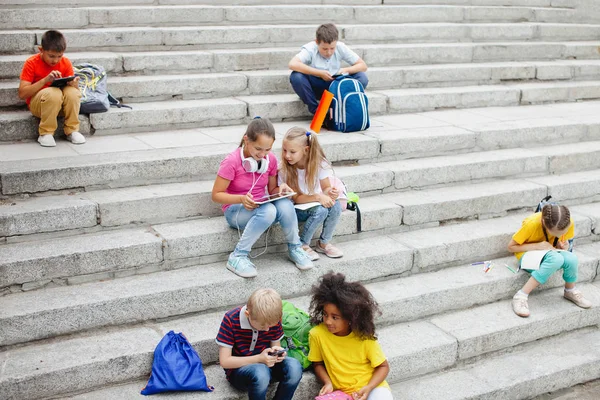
(317, 64)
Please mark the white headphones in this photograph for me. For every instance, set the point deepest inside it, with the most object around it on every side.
(251, 165)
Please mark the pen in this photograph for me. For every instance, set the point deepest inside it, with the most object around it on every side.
(510, 269)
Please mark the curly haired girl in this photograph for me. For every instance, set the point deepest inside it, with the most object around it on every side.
(343, 347)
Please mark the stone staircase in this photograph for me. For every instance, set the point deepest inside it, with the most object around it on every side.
(106, 247)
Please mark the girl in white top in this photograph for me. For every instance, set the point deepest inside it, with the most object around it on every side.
(306, 171)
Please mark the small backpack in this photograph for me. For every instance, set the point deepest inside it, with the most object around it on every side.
(348, 200)
(350, 105)
(296, 325)
(95, 97)
(541, 204)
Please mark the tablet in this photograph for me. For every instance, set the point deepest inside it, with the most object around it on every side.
(273, 197)
(60, 82)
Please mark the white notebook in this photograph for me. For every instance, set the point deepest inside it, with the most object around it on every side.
(532, 259)
(306, 206)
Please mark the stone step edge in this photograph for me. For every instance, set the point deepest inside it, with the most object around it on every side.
(444, 344)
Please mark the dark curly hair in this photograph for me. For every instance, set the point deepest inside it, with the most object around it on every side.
(354, 301)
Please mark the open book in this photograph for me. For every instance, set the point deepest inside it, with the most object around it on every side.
(532, 259)
(306, 206)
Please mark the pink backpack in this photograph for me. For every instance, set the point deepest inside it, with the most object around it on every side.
(337, 183)
(337, 395)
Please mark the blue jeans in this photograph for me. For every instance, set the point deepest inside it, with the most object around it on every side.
(256, 222)
(255, 379)
(310, 88)
(552, 262)
(316, 216)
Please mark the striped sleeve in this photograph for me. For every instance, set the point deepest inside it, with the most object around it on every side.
(225, 335)
(276, 332)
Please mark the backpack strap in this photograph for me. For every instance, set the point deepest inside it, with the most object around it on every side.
(546, 235)
(353, 206)
(114, 102)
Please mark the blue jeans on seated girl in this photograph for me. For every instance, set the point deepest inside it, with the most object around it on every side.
(314, 217)
(255, 378)
(254, 223)
(552, 262)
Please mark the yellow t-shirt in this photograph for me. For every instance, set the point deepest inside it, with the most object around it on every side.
(349, 361)
(532, 232)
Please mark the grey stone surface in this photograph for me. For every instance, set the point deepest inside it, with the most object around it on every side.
(578, 185)
(32, 18)
(110, 168)
(16, 41)
(448, 169)
(20, 125)
(152, 16)
(467, 201)
(153, 115)
(495, 326)
(69, 309)
(412, 100)
(571, 157)
(46, 214)
(79, 255)
(171, 61)
(538, 368)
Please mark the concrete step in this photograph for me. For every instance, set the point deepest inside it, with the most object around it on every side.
(549, 365)
(197, 86)
(72, 260)
(131, 160)
(68, 309)
(147, 15)
(204, 37)
(168, 202)
(425, 99)
(163, 115)
(375, 55)
(435, 343)
(72, 3)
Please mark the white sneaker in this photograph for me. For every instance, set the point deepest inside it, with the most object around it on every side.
(76, 138)
(577, 297)
(520, 306)
(47, 141)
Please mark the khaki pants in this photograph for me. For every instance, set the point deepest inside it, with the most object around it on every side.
(48, 103)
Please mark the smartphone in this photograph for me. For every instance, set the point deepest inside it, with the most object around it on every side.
(277, 353)
(60, 82)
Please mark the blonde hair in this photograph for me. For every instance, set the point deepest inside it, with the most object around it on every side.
(265, 306)
(314, 159)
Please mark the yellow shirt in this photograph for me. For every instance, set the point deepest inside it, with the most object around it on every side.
(531, 232)
(349, 361)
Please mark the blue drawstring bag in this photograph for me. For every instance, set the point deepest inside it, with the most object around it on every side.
(176, 367)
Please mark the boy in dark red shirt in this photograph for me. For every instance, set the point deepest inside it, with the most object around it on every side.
(249, 339)
(47, 102)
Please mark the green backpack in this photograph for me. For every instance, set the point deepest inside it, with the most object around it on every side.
(296, 324)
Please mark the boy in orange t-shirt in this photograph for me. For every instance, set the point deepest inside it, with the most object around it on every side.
(46, 102)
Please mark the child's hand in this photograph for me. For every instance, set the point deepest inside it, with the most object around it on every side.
(326, 201)
(248, 202)
(52, 76)
(563, 245)
(280, 358)
(327, 388)
(545, 246)
(362, 394)
(325, 75)
(284, 188)
(333, 193)
(74, 82)
(266, 359)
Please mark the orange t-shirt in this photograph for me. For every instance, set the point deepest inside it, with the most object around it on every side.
(35, 69)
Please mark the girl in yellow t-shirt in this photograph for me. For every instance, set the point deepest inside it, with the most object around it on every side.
(343, 347)
(551, 229)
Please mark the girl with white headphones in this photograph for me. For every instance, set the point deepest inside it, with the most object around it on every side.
(248, 173)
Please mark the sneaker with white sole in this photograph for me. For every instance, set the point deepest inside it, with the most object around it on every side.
(310, 253)
(576, 297)
(47, 141)
(520, 305)
(329, 250)
(300, 258)
(241, 266)
(76, 138)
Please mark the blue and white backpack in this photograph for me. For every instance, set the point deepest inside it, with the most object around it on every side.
(350, 105)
